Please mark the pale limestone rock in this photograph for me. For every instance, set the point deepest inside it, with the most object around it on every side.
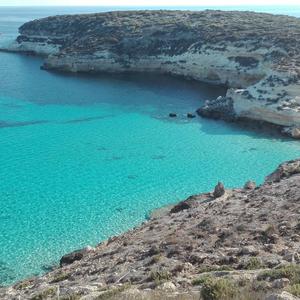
(168, 286)
(282, 296)
(280, 283)
(295, 133)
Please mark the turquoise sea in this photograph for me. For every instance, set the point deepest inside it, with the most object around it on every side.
(86, 157)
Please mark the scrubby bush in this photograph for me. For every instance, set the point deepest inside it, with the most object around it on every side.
(292, 272)
(160, 276)
(254, 263)
(294, 289)
(217, 289)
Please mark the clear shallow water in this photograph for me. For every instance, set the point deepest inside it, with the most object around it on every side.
(83, 158)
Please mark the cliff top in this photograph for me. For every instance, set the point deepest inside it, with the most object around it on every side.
(159, 31)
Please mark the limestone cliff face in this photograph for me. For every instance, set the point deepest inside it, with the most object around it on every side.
(256, 55)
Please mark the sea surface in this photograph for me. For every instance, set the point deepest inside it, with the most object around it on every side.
(83, 158)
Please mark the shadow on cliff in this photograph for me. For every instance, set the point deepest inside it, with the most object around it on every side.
(251, 129)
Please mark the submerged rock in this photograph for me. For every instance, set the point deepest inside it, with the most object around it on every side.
(172, 115)
(191, 115)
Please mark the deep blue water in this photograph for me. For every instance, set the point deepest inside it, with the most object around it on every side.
(83, 158)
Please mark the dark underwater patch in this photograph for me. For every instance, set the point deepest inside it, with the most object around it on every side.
(49, 268)
(115, 158)
(4, 124)
(102, 148)
(87, 119)
(6, 273)
(158, 157)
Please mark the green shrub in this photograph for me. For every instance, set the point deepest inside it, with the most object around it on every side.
(254, 263)
(201, 280)
(109, 294)
(206, 269)
(217, 289)
(155, 259)
(292, 272)
(294, 289)
(160, 276)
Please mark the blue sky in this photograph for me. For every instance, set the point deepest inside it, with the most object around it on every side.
(148, 2)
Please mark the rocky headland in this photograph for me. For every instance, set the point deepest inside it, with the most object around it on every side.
(228, 244)
(255, 55)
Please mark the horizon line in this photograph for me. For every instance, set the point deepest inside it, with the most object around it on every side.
(171, 5)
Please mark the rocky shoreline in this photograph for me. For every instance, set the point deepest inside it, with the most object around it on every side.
(256, 55)
(243, 243)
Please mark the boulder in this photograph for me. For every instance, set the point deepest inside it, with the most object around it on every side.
(167, 287)
(285, 170)
(250, 185)
(280, 283)
(220, 108)
(249, 250)
(295, 133)
(172, 115)
(219, 190)
(69, 258)
(191, 115)
(282, 296)
(181, 206)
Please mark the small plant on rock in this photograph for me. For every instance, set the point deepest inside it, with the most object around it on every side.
(254, 263)
(217, 289)
(294, 289)
(160, 276)
(292, 272)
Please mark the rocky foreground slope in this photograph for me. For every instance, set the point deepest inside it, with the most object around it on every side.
(256, 55)
(229, 244)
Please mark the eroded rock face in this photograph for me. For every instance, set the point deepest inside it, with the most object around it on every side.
(286, 169)
(256, 55)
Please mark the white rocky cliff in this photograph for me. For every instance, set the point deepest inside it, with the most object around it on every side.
(255, 55)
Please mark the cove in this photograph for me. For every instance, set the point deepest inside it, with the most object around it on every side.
(83, 158)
